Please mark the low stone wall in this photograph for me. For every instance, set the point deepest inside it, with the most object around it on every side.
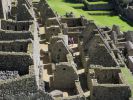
(76, 29)
(52, 31)
(107, 75)
(14, 35)
(15, 25)
(14, 46)
(52, 22)
(15, 61)
(72, 22)
(99, 7)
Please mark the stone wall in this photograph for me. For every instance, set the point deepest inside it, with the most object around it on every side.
(26, 84)
(99, 7)
(76, 29)
(19, 50)
(110, 92)
(14, 46)
(33, 96)
(54, 21)
(52, 31)
(64, 71)
(58, 49)
(24, 10)
(129, 13)
(45, 11)
(15, 25)
(15, 61)
(72, 22)
(53, 27)
(107, 75)
(88, 30)
(14, 35)
(98, 53)
(98, 48)
(107, 84)
(124, 8)
(129, 36)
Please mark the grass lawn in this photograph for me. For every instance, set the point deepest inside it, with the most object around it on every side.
(128, 77)
(61, 7)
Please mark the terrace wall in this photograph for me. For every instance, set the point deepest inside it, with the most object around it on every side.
(103, 6)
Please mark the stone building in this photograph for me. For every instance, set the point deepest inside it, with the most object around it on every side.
(125, 8)
(96, 47)
(107, 84)
(100, 46)
(90, 68)
(18, 39)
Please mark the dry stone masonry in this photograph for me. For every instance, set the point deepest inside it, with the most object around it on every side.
(44, 56)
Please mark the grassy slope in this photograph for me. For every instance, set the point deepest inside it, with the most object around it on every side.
(62, 7)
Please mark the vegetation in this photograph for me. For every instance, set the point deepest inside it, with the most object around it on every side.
(63, 6)
(128, 77)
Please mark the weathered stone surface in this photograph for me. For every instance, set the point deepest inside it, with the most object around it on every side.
(102, 86)
(64, 71)
(56, 93)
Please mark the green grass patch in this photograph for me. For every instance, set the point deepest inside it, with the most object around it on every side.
(128, 77)
(61, 7)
